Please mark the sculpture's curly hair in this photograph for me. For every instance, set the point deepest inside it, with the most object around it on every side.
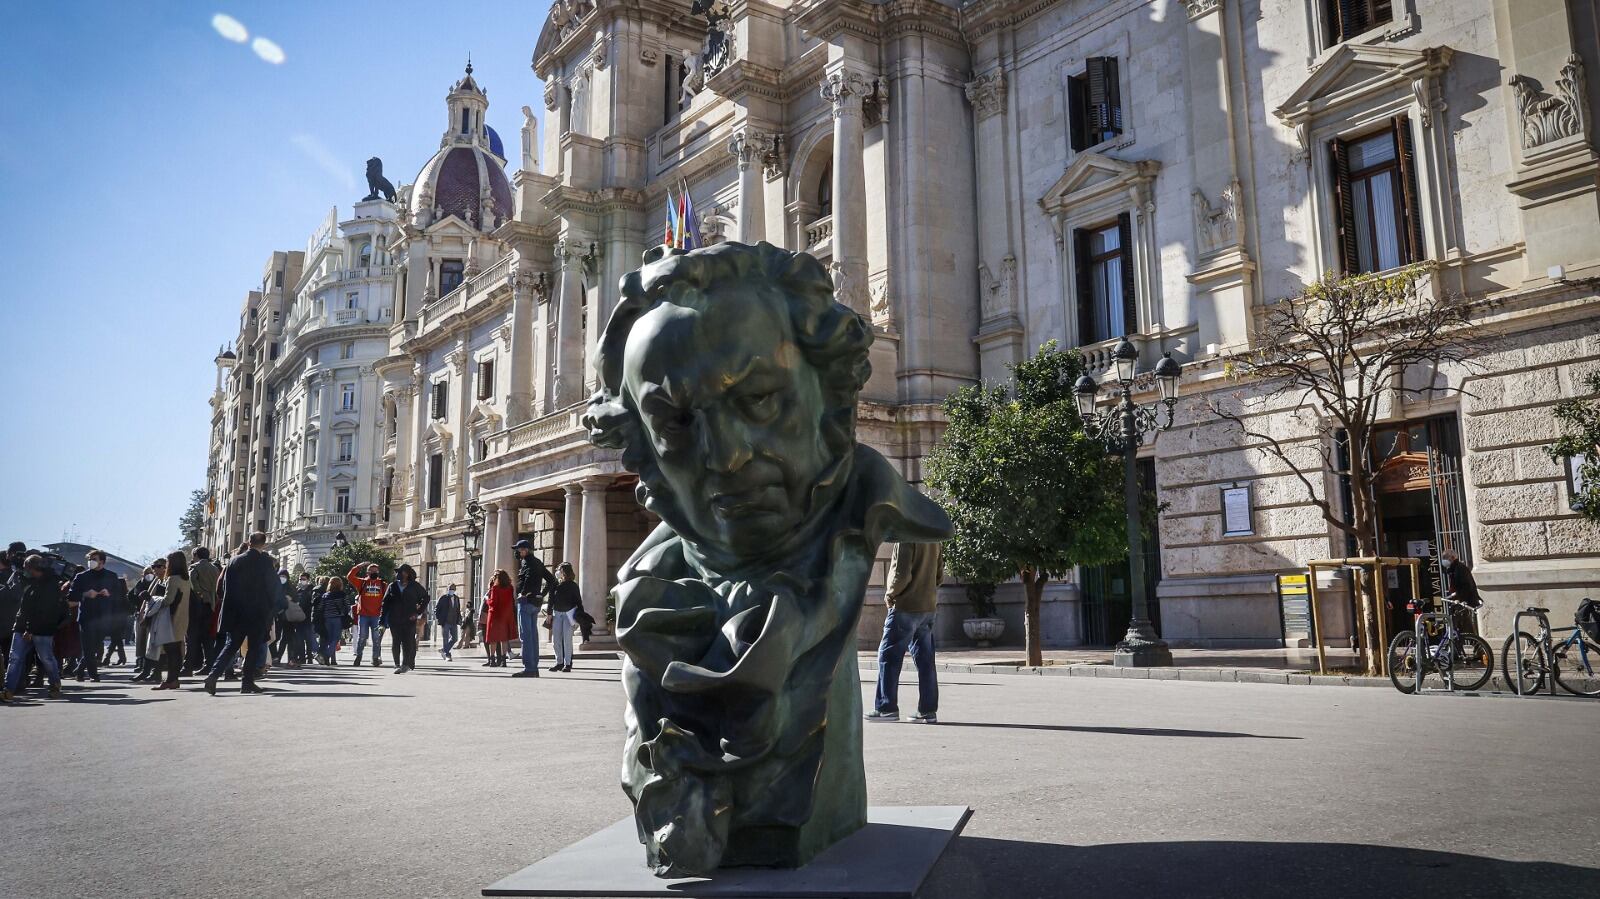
(830, 336)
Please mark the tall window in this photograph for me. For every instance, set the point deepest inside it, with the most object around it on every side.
(311, 450)
(825, 192)
(435, 480)
(347, 397)
(1094, 103)
(451, 274)
(1375, 182)
(352, 299)
(1104, 259)
(440, 400)
(273, 353)
(486, 379)
(341, 499)
(316, 401)
(1348, 18)
(347, 447)
(365, 256)
(277, 278)
(347, 349)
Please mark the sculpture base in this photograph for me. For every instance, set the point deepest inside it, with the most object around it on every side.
(887, 859)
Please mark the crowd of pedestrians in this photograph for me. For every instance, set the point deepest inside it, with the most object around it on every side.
(191, 617)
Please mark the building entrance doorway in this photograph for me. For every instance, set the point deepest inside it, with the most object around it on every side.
(1107, 595)
(1421, 504)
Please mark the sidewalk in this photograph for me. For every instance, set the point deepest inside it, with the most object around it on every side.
(1250, 666)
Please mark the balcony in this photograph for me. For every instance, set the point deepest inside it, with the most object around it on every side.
(819, 236)
(541, 430)
(471, 292)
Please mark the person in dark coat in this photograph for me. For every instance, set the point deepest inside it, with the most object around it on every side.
(403, 604)
(249, 592)
(333, 610)
(99, 595)
(534, 580)
(447, 612)
(41, 612)
(11, 585)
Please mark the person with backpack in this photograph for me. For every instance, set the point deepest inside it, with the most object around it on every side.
(447, 613)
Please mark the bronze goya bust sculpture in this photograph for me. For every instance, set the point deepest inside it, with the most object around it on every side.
(729, 379)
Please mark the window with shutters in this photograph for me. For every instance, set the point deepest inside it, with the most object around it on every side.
(1348, 18)
(439, 400)
(486, 379)
(1094, 103)
(435, 480)
(1375, 199)
(1104, 262)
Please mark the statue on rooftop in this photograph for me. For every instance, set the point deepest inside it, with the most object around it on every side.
(376, 183)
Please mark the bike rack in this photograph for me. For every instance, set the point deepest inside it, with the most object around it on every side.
(1549, 650)
(1449, 672)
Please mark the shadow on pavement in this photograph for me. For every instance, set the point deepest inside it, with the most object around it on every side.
(977, 867)
(106, 698)
(1123, 731)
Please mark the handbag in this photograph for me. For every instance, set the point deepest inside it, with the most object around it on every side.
(294, 614)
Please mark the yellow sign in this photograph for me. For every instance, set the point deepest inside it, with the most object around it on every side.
(1292, 584)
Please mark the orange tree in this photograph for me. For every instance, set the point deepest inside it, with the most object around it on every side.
(1031, 495)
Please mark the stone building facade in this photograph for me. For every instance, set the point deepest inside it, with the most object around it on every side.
(985, 176)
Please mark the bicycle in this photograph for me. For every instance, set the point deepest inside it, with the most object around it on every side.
(1540, 657)
(1460, 660)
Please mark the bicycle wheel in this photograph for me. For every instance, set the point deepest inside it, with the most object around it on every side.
(1402, 660)
(1577, 670)
(1534, 663)
(1473, 663)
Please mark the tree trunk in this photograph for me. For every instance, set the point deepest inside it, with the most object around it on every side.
(1033, 587)
(1367, 547)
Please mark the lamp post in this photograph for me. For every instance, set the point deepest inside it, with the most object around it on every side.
(1121, 429)
(474, 532)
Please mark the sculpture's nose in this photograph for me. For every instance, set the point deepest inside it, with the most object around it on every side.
(723, 442)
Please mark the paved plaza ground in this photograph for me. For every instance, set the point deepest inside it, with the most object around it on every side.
(354, 782)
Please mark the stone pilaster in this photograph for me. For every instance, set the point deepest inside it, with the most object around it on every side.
(753, 152)
(845, 88)
(568, 344)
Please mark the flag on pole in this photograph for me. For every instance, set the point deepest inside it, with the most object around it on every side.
(671, 236)
(691, 228)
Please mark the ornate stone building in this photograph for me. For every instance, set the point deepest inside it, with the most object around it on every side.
(983, 177)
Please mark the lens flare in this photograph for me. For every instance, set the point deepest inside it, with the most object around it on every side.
(267, 50)
(230, 28)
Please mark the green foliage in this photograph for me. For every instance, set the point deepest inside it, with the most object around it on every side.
(1027, 489)
(1580, 436)
(980, 596)
(339, 560)
(193, 519)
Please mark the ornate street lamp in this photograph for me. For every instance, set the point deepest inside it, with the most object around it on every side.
(1121, 429)
(474, 532)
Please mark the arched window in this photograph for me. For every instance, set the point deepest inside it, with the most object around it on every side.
(365, 256)
(825, 192)
(466, 120)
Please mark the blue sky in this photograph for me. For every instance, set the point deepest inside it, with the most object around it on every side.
(148, 167)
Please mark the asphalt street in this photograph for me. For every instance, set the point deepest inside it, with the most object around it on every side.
(354, 782)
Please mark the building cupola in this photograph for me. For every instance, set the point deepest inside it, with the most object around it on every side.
(467, 103)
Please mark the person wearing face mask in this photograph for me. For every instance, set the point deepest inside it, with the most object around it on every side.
(297, 621)
(155, 587)
(198, 645)
(41, 611)
(403, 604)
(98, 593)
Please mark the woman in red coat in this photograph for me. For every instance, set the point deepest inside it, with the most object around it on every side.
(499, 620)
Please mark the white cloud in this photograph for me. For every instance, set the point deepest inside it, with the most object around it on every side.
(325, 160)
(230, 28)
(267, 50)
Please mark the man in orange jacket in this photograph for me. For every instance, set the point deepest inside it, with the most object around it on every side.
(369, 587)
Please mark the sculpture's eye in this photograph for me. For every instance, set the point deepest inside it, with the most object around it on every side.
(759, 407)
(673, 424)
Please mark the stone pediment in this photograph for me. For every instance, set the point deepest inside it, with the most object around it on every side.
(566, 18)
(451, 226)
(1092, 175)
(342, 478)
(484, 413)
(1356, 71)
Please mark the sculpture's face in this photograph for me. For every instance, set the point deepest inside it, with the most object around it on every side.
(733, 413)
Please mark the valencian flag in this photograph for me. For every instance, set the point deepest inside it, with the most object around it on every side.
(689, 229)
(670, 238)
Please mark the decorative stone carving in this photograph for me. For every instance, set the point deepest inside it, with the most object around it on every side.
(530, 140)
(987, 94)
(649, 56)
(1547, 118)
(602, 50)
(845, 91)
(875, 105)
(551, 98)
(578, 121)
(737, 615)
(693, 79)
(880, 307)
(1198, 8)
(750, 146)
(502, 334)
(1217, 228)
(998, 295)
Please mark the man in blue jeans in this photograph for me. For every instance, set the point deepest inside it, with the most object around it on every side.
(534, 580)
(912, 594)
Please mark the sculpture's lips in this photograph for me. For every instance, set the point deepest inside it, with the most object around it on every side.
(744, 504)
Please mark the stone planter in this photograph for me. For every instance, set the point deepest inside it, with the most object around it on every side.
(984, 631)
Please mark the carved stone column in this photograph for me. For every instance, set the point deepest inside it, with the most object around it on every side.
(505, 530)
(845, 89)
(492, 538)
(752, 149)
(572, 526)
(593, 572)
(568, 367)
(526, 285)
